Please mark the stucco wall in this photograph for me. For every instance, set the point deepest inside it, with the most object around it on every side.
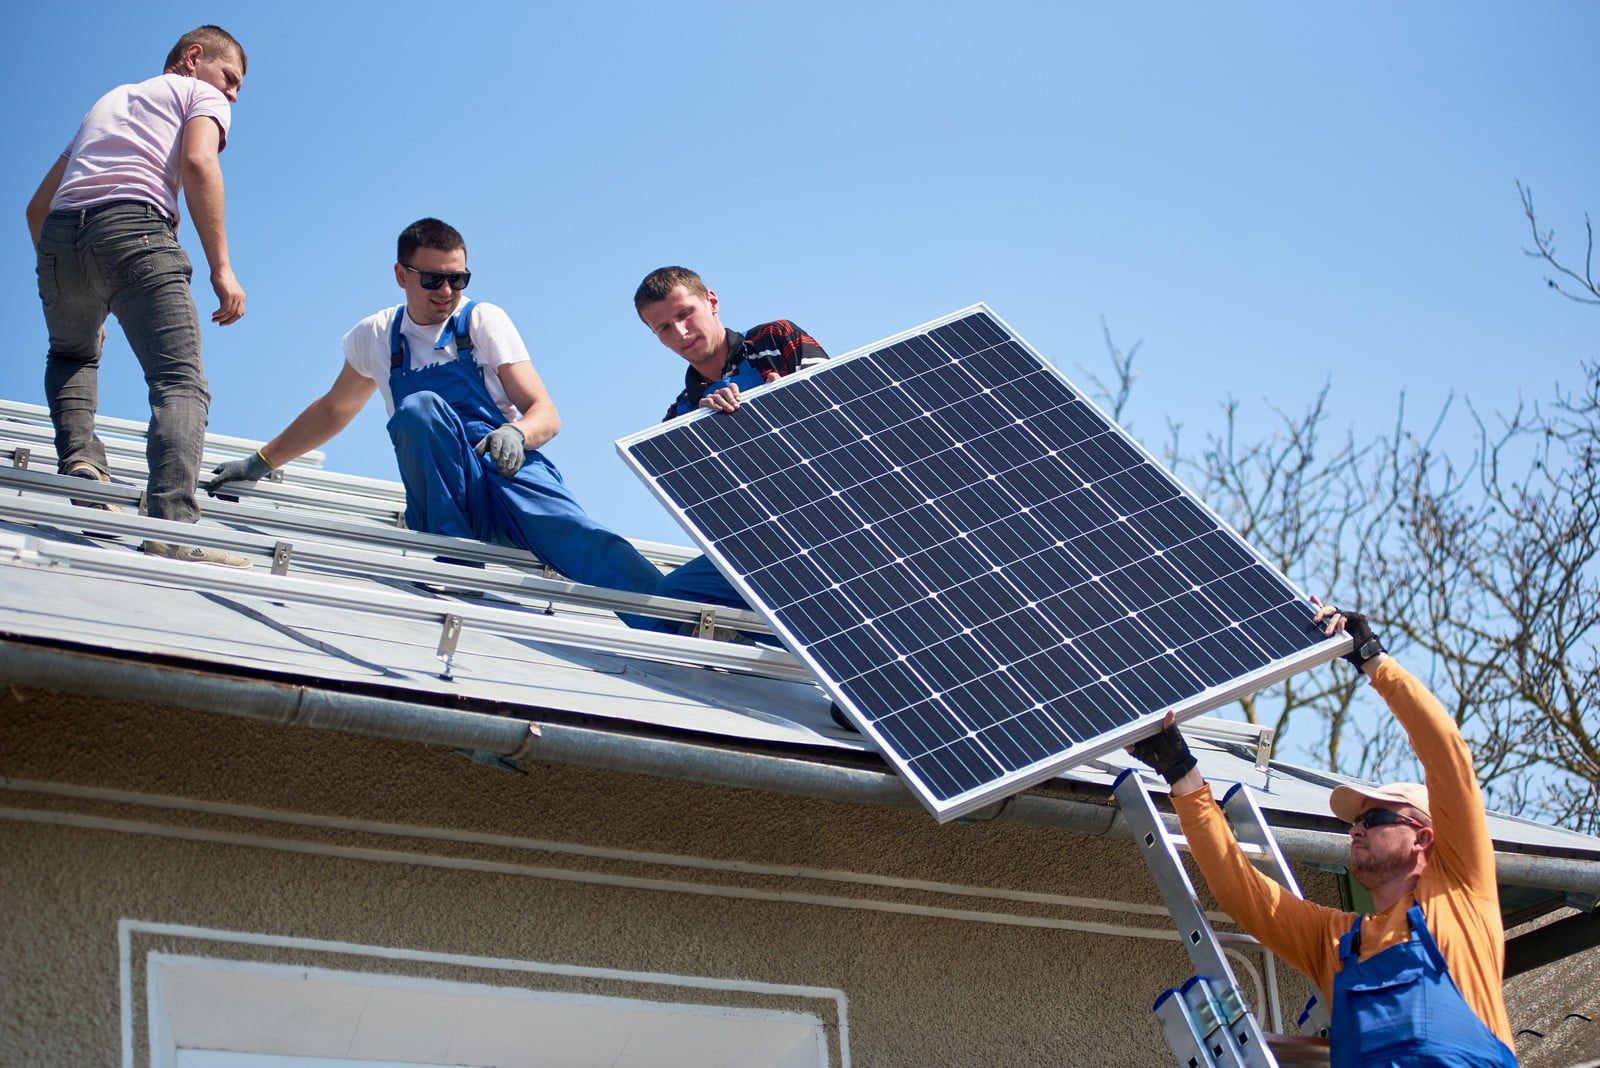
(206, 834)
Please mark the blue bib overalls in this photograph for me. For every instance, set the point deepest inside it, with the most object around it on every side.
(747, 375)
(699, 579)
(440, 413)
(1400, 1007)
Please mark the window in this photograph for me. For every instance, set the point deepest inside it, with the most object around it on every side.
(224, 1013)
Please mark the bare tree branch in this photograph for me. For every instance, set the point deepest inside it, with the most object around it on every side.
(1480, 567)
(1544, 248)
(1114, 398)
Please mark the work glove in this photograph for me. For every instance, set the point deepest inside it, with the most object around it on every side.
(506, 447)
(1367, 647)
(250, 470)
(1167, 752)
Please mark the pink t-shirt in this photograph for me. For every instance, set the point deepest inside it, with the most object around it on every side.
(127, 146)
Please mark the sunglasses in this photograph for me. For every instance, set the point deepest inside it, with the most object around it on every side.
(434, 279)
(1383, 817)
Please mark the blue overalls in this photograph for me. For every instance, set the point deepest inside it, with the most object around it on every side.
(699, 579)
(1400, 1007)
(748, 374)
(440, 413)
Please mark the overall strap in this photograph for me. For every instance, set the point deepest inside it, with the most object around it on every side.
(1420, 932)
(1350, 942)
(458, 330)
(399, 350)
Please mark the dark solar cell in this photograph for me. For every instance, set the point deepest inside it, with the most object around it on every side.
(984, 570)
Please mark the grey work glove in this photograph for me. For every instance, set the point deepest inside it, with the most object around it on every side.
(251, 469)
(506, 447)
(1167, 752)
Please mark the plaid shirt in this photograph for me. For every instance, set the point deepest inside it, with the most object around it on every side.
(769, 351)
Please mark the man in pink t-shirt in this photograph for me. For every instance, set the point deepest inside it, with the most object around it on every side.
(103, 222)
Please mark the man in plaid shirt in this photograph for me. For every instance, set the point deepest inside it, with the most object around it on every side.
(678, 308)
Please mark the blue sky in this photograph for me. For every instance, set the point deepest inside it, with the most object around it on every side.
(1269, 196)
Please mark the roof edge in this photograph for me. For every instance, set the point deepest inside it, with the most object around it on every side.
(293, 704)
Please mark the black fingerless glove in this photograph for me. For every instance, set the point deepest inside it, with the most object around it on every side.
(1167, 752)
(1367, 646)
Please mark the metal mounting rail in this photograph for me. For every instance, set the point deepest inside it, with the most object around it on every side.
(393, 546)
(282, 499)
(447, 615)
(310, 487)
(1257, 736)
(286, 554)
(365, 532)
(222, 443)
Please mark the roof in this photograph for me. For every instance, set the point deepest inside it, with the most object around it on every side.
(1557, 1010)
(344, 598)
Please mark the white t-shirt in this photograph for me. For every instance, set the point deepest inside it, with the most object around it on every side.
(495, 343)
(127, 146)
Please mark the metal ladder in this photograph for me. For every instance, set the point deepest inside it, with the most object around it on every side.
(1206, 1020)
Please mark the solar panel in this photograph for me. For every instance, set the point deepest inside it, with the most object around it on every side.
(989, 575)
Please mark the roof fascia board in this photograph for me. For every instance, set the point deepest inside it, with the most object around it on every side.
(520, 741)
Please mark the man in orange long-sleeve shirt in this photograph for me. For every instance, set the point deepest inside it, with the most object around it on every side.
(1417, 982)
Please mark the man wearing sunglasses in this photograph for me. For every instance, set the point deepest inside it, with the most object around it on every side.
(1417, 982)
(468, 415)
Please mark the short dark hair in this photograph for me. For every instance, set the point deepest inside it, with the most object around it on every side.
(213, 40)
(659, 284)
(428, 233)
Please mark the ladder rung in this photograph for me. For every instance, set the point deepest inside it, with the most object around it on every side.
(1253, 852)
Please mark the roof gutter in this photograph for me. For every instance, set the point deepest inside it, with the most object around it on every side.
(94, 675)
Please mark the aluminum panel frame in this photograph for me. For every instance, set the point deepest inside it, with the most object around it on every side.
(1003, 786)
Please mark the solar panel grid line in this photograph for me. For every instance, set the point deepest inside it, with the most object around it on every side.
(959, 542)
(1000, 576)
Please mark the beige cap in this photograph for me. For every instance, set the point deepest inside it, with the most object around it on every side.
(1348, 801)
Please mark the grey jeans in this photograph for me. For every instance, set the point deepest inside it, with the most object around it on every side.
(122, 258)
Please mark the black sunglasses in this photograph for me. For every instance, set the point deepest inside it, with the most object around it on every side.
(1382, 817)
(434, 279)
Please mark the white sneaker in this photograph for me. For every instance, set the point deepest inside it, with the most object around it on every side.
(194, 554)
(85, 469)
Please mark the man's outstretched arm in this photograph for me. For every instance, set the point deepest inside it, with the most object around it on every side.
(1460, 823)
(321, 421)
(1296, 930)
(1461, 826)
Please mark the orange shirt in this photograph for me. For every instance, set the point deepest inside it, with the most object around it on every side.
(1456, 890)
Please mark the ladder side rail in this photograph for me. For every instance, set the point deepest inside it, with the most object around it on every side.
(1182, 1031)
(1248, 1041)
(1250, 827)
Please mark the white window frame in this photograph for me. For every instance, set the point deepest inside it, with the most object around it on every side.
(184, 983)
